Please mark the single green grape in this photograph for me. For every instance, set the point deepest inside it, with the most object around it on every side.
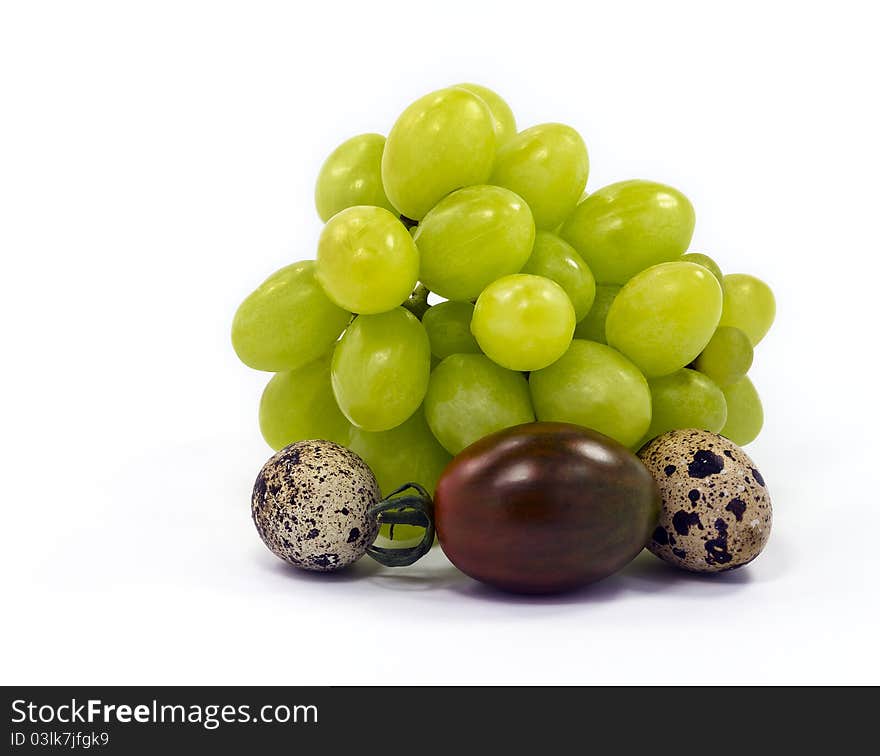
(449, 329)
(592, 327)
(523, 322)
(298, 405)
(367, 260)
(707, 262)
(502, 115)
(469, 397)
(626, 227)
(546, 165)
(555, 259)
(352, 175)
(745, 414)
(685, 399)
(441, 142)
(472, 237)
(287, 321)
(727, 357)
(380, 369)
(664, 316)
(749, 305)
(595, 386)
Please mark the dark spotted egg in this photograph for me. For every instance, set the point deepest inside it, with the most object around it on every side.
(716, 513)
(310, 505)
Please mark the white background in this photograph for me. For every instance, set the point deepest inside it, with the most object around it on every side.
(157, 161)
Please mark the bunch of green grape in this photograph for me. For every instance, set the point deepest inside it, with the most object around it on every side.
(549, 303)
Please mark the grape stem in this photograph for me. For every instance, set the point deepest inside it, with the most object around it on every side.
(417, 303)
(413, 509)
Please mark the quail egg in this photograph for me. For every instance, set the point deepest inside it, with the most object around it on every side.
(311, 505)
(716, 513)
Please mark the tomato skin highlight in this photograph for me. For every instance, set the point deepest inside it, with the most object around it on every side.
(544, 508)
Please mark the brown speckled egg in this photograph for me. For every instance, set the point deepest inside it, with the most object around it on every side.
(310, 505)
(716, 512)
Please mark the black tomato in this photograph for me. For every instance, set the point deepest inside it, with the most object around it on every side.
(544, 507)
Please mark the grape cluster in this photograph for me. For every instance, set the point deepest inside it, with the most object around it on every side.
(559, 305)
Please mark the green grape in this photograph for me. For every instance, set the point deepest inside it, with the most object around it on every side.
(405, 454)
(287, 321)
(595, 386)
(352, 175)
(685, 399)
(664, 316)
(592, 327)
(469, 397)
(745, 415)
(704, 260)
(298, 405)
(626, 227)
(441, 142)
(523, 322)
(502, 115)
(749, 305)
(449, 329)
(555, 259)
(472, 237)
(367, 260)
(547, 166)
(380, 369)
(727, 357)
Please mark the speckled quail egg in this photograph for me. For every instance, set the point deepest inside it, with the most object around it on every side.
(310, 505)
(716, 513)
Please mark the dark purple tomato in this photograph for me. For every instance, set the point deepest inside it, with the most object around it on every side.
(544, 507)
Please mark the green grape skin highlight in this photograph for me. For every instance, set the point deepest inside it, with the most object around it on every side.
(471, 238)
(523, 322)
(685, 399)
(449, 329)
(548, 166)
(287, 321)
(592, 327)
(298, 405)
(727, 357)
(380, 369)
(749, 305)
(707, 262)
(405, 454)
(367, 261)
(664, 316)
(440, 143)
(555, 259)
(351, 176)
(595, 386)
(502, 116)
(469, 397)
(626, 227)
(745, 413)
